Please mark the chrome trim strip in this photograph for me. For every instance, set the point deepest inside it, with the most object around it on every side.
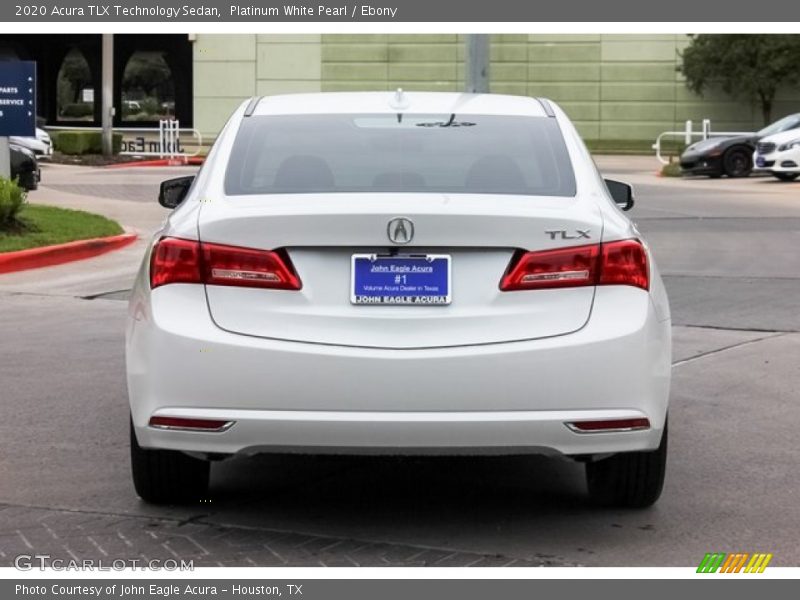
(222, 429)
(574, 429)
(556, 276)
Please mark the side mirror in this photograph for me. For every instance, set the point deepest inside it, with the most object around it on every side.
(621, 192)
(173, 191)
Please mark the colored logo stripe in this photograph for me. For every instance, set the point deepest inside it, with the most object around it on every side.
(734, 563)
(711, 562)
(758, 563)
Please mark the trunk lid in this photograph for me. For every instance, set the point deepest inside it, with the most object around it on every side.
(321, 232)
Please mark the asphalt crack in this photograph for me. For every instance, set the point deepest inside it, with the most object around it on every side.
(726, 348)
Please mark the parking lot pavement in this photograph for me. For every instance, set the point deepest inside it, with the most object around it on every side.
(68, 535)
(730, 485)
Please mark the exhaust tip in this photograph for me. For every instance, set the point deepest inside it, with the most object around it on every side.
(609, 425)
(184, 424)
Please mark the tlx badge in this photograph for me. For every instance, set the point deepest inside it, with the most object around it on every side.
(561, 234)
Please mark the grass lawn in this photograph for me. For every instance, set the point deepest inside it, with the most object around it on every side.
(48, 225)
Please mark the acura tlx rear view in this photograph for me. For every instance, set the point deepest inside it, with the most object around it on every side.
(410, 273)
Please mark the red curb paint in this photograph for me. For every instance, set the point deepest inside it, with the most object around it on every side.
(160, 162)
(45, 256)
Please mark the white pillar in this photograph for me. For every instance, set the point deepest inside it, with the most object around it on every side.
(108, 92)
(477, 67)
(5, 158)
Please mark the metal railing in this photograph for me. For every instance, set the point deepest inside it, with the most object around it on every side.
(689, 134)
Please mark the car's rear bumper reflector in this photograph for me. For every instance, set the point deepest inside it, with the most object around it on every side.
(182, 424)
(609, 426)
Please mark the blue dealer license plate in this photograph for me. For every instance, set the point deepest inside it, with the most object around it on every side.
(422, 280)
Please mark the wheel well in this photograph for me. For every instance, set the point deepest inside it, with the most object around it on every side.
(744, 147)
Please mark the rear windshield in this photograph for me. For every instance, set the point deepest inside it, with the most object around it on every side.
(469, 154)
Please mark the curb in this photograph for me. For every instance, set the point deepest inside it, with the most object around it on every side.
(46, 256)
(161, 162)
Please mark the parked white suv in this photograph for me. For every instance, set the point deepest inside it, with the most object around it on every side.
(398, 273)
(779, 154)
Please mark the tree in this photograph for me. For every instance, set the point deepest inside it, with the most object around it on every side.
(750, 66)
(74, 76)
(146, 71)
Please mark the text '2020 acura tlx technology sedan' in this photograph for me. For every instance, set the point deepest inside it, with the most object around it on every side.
(398, 273)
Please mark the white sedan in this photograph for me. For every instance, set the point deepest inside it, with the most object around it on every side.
(779, 154)
(398, 273)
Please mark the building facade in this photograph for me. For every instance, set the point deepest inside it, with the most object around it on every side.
(621, 90)
(615, 87)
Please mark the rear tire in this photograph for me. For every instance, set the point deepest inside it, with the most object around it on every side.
(738, 162)
(167, 476)
(786, 176)
(628, 479)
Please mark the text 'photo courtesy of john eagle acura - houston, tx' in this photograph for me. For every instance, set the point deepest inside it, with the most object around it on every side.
(398, 273)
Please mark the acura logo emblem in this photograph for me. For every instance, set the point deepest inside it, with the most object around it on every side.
(400, 230)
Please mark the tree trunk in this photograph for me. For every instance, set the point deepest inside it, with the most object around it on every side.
(766, 106)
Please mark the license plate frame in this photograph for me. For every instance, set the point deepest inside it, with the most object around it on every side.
(384, 282)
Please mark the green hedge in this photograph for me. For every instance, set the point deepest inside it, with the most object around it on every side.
(77, 110)
(84, 142)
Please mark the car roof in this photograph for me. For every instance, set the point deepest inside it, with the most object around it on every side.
(399, 101)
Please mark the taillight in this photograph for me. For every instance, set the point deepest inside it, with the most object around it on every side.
(565, 267)
(230, 265)
(613, 263)
(624, 263)
(176, 260)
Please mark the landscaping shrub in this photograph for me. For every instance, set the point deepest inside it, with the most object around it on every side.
(77, 110)
(150, 106)
(673, 169)
(142, 117)
(12, 199)
(84, 142)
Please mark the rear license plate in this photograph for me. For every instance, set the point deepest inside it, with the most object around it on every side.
(418, 279)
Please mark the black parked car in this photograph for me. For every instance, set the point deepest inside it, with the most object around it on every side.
(24, 167)
(730, 155)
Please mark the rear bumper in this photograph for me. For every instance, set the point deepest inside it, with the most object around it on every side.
(350, 432)
(497, 398)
